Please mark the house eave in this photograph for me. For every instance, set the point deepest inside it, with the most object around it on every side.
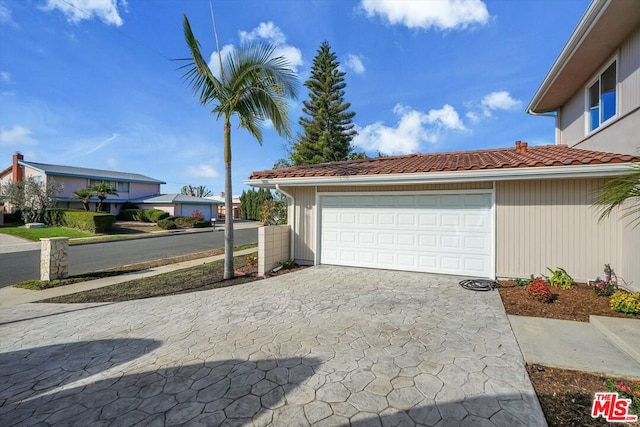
(602, 29)
(504, 174)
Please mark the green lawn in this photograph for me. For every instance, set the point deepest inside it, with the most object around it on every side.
(36, 234)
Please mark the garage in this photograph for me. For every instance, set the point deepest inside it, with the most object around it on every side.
(205, 210)
(448, 232)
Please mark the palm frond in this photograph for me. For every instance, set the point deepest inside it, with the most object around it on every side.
(621, 192)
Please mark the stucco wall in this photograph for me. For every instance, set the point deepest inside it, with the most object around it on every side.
(138, 190)
(621, 134)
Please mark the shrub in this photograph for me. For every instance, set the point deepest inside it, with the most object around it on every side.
(184, 221)
(603, 288)
(626, 390)
(166, 224)
(128, 214)
(129, 205)
(252, 259)
(560, 277)
(540, 291)
(93, 222)
(525, 282)
(625, 302)
(201, 223)
(287, 264)
(150, 215)
(197, 215)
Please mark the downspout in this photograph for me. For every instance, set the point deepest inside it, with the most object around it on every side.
(293, 219)
(556, 116)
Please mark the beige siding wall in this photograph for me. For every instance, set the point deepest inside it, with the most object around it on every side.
(621, 135)
(303, 211)
(551, 223)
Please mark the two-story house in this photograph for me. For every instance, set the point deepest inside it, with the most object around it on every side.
(593, 88)
(131, 187)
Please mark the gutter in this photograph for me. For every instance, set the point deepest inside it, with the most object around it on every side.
(293, 219)
(505, 174)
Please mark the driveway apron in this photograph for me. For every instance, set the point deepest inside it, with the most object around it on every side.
(323, 346)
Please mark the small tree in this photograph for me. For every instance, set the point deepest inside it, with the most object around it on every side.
(196, 190)
(84, 195)
(32, 198)
(102, 190)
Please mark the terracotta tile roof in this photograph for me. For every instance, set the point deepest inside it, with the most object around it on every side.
(520, 156)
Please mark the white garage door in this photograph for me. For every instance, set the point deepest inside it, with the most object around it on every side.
(440, 233)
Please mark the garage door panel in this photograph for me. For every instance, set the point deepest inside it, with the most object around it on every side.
(441, 233)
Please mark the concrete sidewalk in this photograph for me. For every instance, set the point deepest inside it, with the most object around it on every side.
(10, 296)
(604, 345)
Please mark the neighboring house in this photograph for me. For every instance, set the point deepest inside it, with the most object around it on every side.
(507, 212)
(593, 88)
(131, 187)
(222, 208)
(181, 205)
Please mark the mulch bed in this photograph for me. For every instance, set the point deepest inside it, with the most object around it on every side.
(565, 395)
(576, 303)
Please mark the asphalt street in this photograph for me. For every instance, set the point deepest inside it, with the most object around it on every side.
(20, 266)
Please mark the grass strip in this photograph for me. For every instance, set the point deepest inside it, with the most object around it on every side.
(202, 277)
(38, 285)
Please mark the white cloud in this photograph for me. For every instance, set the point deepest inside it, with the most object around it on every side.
(265, 30)
(78, 10)
(16, 136)
(439, 14)
(473, 117)
(354, 62)
(5, 77)
(499, 101)
(202, 171)
(272, 34)
(412, 129)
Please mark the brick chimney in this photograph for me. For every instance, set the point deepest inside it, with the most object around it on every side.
(17, 169)
(521, 147)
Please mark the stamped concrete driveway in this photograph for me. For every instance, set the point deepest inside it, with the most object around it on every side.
(322, 346)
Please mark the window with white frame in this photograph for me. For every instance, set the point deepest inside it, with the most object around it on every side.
(602, 98)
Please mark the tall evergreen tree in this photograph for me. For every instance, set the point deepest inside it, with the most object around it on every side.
(328, 130)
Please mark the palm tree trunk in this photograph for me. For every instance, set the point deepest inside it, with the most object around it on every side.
(228, 203)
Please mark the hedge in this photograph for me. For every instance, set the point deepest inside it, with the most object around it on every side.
(93, 222)
(128, 214)
(143, 215)
(166, 224)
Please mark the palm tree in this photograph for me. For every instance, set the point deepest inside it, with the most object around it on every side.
(102, 190)
(252, 85)
(84, 194)
(619, 191)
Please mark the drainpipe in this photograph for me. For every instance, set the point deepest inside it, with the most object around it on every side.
(293, 218)
(555, 115)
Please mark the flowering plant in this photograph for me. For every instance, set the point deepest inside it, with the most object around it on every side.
(625, 302)
(604, 288)
(626, 390)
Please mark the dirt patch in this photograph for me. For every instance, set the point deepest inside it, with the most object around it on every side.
(566, 396)
(576, 303)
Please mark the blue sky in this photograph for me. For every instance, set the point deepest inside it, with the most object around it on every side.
(93, 83)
